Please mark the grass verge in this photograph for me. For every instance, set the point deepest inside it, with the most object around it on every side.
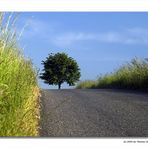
(19, 92)
(132, 75)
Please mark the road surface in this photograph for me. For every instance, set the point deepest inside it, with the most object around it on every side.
(93, 113)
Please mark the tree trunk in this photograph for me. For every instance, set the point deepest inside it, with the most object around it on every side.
(59, 85)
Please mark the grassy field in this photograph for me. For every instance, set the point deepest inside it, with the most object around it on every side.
(19, 92)
(132, 75)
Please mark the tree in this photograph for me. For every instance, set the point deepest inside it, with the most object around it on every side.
(59, 68)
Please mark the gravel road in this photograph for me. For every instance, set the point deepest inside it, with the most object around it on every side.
(93, 113)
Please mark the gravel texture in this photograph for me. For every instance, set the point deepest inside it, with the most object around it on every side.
(93, 113)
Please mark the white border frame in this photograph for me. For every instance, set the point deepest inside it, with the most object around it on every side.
(74, 5)
(73, 143)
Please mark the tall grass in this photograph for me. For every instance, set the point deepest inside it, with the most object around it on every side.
(132, 75)
(87, 84)
(19, 105)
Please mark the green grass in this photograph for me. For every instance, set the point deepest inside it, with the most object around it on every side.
(132, 75)
(19, 104)
(87, 84)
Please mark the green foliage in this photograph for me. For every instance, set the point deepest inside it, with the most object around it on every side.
(87, 84)
(132, 75)
(19, 108)
(59, 68)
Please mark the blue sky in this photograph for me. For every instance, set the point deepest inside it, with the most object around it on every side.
(100, 42)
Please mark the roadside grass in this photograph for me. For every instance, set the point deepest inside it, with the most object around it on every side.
(87, 84)
(132, 75)
(19, 92)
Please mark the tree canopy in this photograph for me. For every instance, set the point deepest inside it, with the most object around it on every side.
(59, 68)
